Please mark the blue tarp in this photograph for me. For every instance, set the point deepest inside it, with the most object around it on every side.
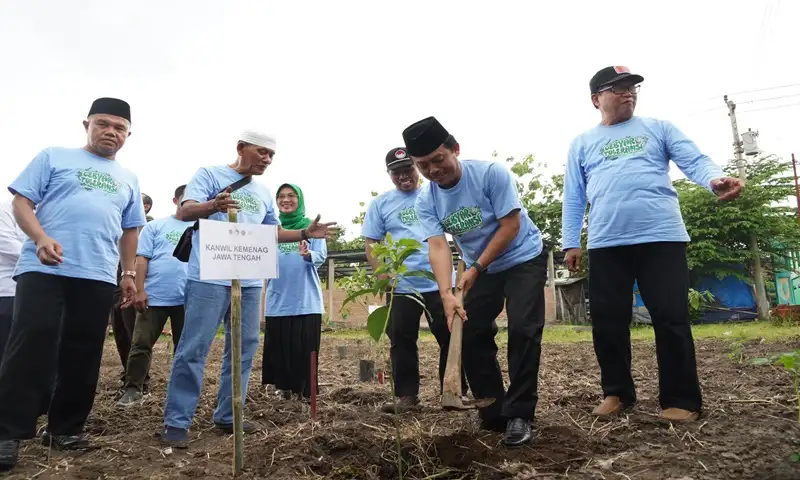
(733, 299)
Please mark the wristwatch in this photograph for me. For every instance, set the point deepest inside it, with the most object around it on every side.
(304, 234)
(129, 273)
(477, 266)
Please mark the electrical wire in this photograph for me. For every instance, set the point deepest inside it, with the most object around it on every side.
(768, 99)
(770, 108)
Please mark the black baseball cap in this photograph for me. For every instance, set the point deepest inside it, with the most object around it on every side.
(398, 158)
(611, 75)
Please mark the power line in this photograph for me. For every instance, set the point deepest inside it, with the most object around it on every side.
(771, 108)
(758, 90)
(768, 99)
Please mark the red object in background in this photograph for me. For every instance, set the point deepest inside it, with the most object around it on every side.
(313, 386)
(380, 377)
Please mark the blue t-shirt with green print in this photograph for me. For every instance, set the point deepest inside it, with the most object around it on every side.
(83, 202)
(166, 275)
(256, 206)
(393, 212)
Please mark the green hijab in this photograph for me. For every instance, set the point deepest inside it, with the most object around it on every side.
(296, 220)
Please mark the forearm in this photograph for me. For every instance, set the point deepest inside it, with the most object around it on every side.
(286, 236)
(127, 246)
(26, 218)
(141, 271)
(572, 222)
(191, 211)
(499, 242)
(441, 258)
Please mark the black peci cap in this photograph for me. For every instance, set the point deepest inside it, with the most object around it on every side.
(424, 137)
(397, 158)
(111, 106)
(611, 75)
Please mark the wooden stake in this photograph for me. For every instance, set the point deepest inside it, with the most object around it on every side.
(236, 365)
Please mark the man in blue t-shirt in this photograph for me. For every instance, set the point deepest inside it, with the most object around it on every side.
(88, 212)
(393, 213)
(636, 233)
(477, 203)
(209, 195)
(161, 279)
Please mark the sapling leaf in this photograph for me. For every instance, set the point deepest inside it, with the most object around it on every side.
(420, 273)
(761, 361)
(405, 254)
(408, 242)
(376, 322)
(381, 286)
(402, 269)
(353, 296)
(417, 297)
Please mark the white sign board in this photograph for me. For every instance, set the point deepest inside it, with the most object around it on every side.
(240, 251)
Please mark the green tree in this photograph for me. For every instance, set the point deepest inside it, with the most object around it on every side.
(720, 231)
(541, 196)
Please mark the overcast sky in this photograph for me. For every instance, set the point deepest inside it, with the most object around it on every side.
(337, 82)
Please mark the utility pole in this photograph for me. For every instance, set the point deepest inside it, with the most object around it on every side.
(796, 187)
(761, 294)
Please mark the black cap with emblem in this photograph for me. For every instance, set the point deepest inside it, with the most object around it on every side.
(611, 75)
(397, 158)
(425, 136)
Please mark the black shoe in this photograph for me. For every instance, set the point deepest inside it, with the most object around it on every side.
(404, 404)
(247, 427)
(9, 454)
(497, 424)
(65, 442)
(518, 432)
(175, 437)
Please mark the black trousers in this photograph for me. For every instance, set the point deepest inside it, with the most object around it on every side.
(123, 321)
(521, 289)
(403, 332)
(59, 326)
(148, 328)
(6, 315)
(288, 343)
(663, 277)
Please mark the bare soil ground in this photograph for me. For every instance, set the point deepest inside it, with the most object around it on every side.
(749, 429)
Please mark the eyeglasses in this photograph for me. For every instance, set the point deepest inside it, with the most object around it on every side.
(287, 196)
(619, 90)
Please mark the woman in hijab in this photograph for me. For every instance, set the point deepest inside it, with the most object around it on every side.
(294, 304)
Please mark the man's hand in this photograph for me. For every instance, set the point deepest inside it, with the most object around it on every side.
(453, 306)
(321, 230)
(467, 279)
(303, 249)
(727, 188)
(573, 259)
(128, 291)
(223, 201)
(49, 251)
(140, 301)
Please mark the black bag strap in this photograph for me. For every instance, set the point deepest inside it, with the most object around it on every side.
(242, 182)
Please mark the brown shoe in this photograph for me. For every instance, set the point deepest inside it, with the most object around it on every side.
(678, 415)
(404, 404)
(610, 406)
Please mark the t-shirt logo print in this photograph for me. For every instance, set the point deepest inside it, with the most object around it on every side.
(289, 247)
(463, 220)
(247, 202)
(173, 236)
(408, 216)
(94, 180)
(624, 147)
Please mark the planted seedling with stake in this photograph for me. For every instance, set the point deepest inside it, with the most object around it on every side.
(391, 255)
